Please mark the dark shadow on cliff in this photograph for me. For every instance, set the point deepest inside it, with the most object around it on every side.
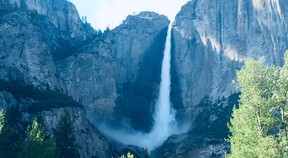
(136, 101)
(175, 94)
(37, 100)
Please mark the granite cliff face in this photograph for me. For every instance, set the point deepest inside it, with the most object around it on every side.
(25, 54)
(46, 49)
(62, 14)
(48, 54)
(211, 39)
(33, 35)
(117, 75)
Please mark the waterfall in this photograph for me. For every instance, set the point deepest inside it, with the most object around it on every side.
(164, 115)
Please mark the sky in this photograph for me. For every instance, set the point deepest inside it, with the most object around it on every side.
(110, 13)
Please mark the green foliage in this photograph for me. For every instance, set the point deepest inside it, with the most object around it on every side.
(65, 139)
(2, 118)
(9, 143)
(259, 127)
(38, 149)
(9, 139)
(36, 145)
(36, 131)
(129, 155)
(107, 29)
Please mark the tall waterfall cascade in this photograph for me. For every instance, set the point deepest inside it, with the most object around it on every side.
(164, 116)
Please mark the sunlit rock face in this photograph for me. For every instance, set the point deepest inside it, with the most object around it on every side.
(117, 75)
(212, 38)
(25, 53)
(210, 41)
(33, 35)
(62, 14)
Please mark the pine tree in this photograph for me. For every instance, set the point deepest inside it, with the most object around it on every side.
(9, 143)
(65, 139)
(146, 153)
(2, 119)
(129, 155)
(9, 137)
(37, 145)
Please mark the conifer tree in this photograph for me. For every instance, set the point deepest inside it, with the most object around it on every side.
(129, 155)
(9, 138)
(65, 139)
(37, 145)
(2, 119)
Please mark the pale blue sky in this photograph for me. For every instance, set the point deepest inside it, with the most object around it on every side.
(103, 13)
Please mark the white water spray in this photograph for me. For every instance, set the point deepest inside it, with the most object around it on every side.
(164, 114)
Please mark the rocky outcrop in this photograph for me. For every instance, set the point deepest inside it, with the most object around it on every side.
(115, 75)
(90, 141)
(118, 74)
(33, 35)
(25, 53)
(212, 38)
(63, 16)
(206, 138)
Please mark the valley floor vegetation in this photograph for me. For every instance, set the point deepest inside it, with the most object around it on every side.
(259, 127)
(35, 142)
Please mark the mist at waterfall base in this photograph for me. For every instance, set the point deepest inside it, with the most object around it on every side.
(164, 116)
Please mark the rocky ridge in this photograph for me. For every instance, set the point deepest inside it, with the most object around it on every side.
(62, 14)
(47, 49)
(33, 35)
(118, 74)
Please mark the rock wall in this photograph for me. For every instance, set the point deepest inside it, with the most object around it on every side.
(33, 35)
(25, 53)
(115, 75)
(62, 14)
(91, 142)
(118, 73)
(213, 38)
(206, 137)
